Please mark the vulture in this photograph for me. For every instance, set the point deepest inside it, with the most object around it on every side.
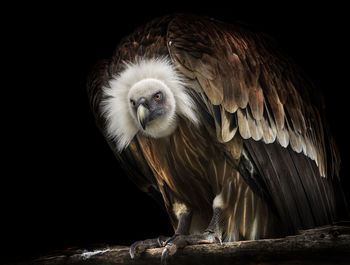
(215, 122)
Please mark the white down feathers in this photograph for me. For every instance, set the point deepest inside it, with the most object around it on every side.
(121, 125)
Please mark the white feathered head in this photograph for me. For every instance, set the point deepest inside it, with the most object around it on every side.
(148, 96)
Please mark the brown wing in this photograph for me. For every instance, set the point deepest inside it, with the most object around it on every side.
(245, 85)
(248, 85)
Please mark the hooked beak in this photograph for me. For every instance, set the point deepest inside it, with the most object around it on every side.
(143, 115)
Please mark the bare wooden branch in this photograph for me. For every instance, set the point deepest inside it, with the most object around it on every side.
(323, 245)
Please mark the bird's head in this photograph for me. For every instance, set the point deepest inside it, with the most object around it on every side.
(147, 97)
(152, 105)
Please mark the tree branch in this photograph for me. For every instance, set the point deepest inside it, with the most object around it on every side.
(323, 245)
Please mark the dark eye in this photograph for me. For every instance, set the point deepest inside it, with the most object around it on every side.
(158, 96)
(133, 103)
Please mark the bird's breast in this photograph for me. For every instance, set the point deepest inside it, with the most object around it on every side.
(190, 163)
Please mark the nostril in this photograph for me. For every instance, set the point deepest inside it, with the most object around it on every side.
(143, 101)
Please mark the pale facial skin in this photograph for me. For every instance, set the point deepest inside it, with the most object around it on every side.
(152, 105)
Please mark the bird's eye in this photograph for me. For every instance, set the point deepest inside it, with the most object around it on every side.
(133, 103)
(158, 96)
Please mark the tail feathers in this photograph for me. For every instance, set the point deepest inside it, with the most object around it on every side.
(294, 187)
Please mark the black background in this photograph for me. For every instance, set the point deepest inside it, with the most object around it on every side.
(61, 186)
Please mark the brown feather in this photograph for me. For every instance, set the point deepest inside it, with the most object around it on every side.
(240, 82)
(256, 102)
(236, 68)
(243, 125)
(228, 129)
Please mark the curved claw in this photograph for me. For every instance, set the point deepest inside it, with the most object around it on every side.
(219, 239)
(172, 245)
(169, 250)
(140, 246)
(180, 241)
(162, 240)
(164, 256)
(134, 249)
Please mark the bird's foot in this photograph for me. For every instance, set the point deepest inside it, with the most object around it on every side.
(140, 246)
(180, 241)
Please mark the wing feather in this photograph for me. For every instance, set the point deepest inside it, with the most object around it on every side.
(243, 124)
(229, 125)
(255, 126)
(242, 84)
(239, 69)
(256, 102)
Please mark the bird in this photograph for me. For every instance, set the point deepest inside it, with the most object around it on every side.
(218, 124)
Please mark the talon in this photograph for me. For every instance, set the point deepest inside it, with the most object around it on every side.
(169, 250)
(172, 245)
(162, 240)
(218, 238)
(164, 256)
(133, 249)
(140, 246)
